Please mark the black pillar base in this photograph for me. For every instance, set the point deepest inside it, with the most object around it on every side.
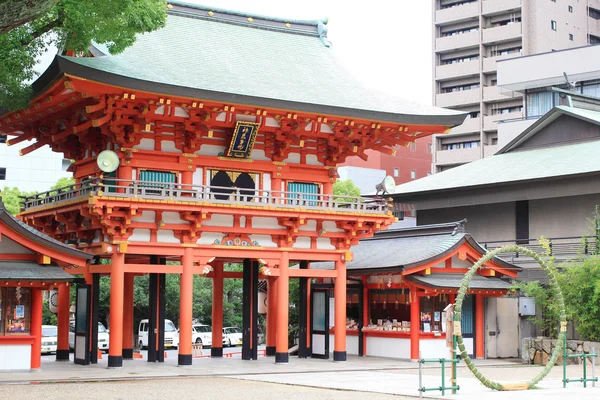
(282, 358)
(115, 361)
(128, 354)
(270, 351)
(339, 356)
(216, 352)
(184, 359)
(62, 355)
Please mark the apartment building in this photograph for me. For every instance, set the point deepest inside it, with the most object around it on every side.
(470, 37)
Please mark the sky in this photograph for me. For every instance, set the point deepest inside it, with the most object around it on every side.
(387, 44)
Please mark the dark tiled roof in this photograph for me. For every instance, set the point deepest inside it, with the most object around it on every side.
(245, 59)
(400, 249)
(453, 281)
(38, 236)
(32, 271)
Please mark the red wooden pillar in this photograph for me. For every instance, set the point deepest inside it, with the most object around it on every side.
(271, 315)
(128, 317)
(339, 294)
(283, 296)
(125, 173)
(415, 323)
(35, 328)
(365, 322)
(117, 278)
(276, 188)
(64, 300)
(479, 326)
(186, 286)
(308, 319)
(186, 182)
(217, 312)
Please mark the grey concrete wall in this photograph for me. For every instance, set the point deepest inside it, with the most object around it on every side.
(563, 216)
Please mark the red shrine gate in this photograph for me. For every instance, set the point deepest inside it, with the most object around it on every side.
(212, 171)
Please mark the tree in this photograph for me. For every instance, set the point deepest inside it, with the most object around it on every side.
(11, 200)
(28, 29)
(345, 190)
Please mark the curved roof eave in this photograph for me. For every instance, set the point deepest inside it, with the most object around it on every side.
(62, 66)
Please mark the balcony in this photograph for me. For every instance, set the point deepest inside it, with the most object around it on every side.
(490, 122)
(492, 93)
(463, 40)
(167, 193)
(489, 63)
(491, 7)
(502, 33)
(460, 98)
(451, 71)
(470, 125)
(459, 13)
(460, 156)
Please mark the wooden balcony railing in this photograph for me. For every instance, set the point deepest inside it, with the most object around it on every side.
(135, 189)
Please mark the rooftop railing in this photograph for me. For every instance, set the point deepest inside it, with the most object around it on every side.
(136, 189)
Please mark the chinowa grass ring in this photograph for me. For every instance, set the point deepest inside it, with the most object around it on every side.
(462, 292)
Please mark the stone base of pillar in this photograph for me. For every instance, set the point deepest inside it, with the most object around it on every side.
(281, 358)
(216, 352)
(339, 356)
(128, 354)
(62, 355)
(184, 359)
(115, 361)
(270, 351)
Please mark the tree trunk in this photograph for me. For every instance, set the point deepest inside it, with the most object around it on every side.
(14, 13)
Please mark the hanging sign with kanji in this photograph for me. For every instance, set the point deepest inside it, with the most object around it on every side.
(242, 141)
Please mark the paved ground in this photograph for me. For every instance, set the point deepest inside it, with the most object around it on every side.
(299, 379)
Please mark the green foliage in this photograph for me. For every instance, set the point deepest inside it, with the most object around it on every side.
(71, 25)
(63, 182)
(343, 191)
(47, 317)
(10, 198)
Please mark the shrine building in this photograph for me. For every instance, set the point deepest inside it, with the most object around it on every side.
(210, 141)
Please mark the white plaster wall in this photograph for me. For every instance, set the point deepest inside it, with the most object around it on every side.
(140, 235)
(259, 155)
(434, 348)
(210, 150)
(263, 240)
(221, 117)
(271, 122)
(329, 226)
(146, 216)
(310, 225)
(197, 177)
(210, 237)
(219, 220)
(324, 244)
(302, 243)
(388, 347)
(244, 117)
(145, 144)
(172, 218)
(169, 145)
(15, 357)
(166, 236)
(180, 112)
(265, 223)
(311, 159)
(266, 181)
(96, 238)
(293, 158)
(351, 344)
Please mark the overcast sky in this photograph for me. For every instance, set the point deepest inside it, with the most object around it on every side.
(385, 43)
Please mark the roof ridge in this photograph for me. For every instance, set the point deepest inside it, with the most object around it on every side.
(315, 28)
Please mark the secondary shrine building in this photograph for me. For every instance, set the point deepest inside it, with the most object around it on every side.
(227, 129)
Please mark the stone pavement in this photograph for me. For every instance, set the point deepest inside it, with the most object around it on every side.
(368, 374)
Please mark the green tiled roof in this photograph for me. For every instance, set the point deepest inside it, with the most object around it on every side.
(515, 166)
(263, 65)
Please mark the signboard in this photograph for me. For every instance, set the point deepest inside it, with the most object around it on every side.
(242, 141)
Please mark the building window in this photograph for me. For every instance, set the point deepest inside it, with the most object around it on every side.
(594, 39)
(2, 138)
(553, 25)
(2, 174)
(462, 145)
(396, 172)
(413, 174)
(593, 13)
(570, 36)
(570, 9)
(15, 310)
(413, 146)
(429, 148)
(494, 141)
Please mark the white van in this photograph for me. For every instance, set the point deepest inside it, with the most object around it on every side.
(171, 335)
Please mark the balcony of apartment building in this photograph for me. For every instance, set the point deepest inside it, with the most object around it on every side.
(459, 11)
(455, 68)
(489, 63)
(490, 7)
(457, 150)
(490, 122)
(458, 96)
(470, 125)
(493, 94)
(502, 33)
(457, 40)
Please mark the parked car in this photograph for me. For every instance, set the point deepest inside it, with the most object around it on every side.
(232, 336)
(171, 334)
(49, 339)
(103, 337)
(202, 334)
